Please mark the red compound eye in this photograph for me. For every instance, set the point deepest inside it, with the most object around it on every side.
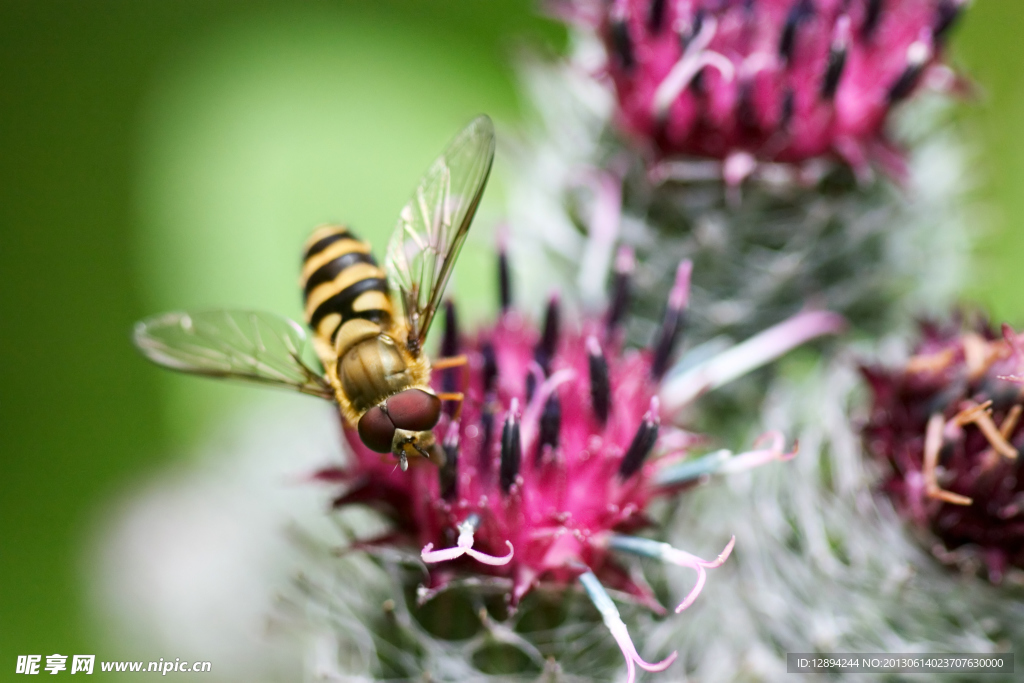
(376, 430)
(414, 409)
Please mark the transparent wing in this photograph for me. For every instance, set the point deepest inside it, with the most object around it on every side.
(433, 225)
(247, 345)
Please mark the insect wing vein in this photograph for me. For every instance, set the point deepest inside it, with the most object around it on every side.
(246, 345)
(432, 226)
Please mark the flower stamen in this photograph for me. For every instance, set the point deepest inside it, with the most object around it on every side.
(625, 264)
(981, 416)
(932, 446)
(643, 441)
(776, 451)
(681, 389)
(600, 385)
(464, 546)
(674, 321)
(511, 448)
(725, 462)
(695, 58)
(610, 615)
(666, 553)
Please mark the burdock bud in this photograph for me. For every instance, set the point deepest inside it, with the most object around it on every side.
(776, 81)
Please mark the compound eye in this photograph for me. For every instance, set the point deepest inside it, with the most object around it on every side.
(376, 430)
(415, 410)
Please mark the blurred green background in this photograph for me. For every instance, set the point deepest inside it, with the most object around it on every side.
(175, 154)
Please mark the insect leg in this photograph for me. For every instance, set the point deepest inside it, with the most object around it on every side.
(456, 396)
(450, 362)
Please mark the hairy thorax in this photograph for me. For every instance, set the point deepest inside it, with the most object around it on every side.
(372, 370)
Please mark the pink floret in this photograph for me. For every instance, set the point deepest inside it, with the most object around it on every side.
(779, 80)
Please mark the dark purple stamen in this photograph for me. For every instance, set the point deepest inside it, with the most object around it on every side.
(672, 326)
(656, 16)
(622, 282)
(872, 15)
(548, 343)
(449, 472)
(917, 59)
(550, 426)
(511, 449)
(834, 71)
(788, 108)
(486, 434)
(836, 59)
(600, 386)
(450, 348)
(946, 16)
(686, 36)
(622, 45)
(504, 281)
(698, 82)
(450, 341)
(490, 369)
(799, 13)
(643, 443)
(746, 109)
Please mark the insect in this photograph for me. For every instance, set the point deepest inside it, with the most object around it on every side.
(372, 357)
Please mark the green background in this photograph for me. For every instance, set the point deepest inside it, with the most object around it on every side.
(161, 154)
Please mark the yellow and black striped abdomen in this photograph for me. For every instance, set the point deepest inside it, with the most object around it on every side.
(342, 283)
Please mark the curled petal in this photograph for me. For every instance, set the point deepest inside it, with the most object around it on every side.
(464, 546)
(695, 58)
(610, 615)
(545, 387)
(680, 389)
(595, 262)
(776, 450)
(685, 559)
(492, 559)
(724, 462)
(678, 473)
(666, 553)
(430, 556)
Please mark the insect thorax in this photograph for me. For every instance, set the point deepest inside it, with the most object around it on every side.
(374, 369)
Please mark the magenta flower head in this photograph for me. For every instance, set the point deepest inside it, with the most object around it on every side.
(750, 81)
(947, 424)
(554, 455)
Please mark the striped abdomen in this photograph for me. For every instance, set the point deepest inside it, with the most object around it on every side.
(343, 284)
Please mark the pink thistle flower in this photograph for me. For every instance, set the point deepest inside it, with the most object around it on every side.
(553, 457)
(769, 81)
(947, 424)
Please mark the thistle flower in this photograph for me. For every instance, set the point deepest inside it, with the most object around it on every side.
(556, 453)
(947, 423)
(769, 81)
(876, 253)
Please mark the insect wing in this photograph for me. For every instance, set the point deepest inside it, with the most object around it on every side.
(433, 225)
(247, 345)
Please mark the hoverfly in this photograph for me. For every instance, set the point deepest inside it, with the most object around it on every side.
(373, 361)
